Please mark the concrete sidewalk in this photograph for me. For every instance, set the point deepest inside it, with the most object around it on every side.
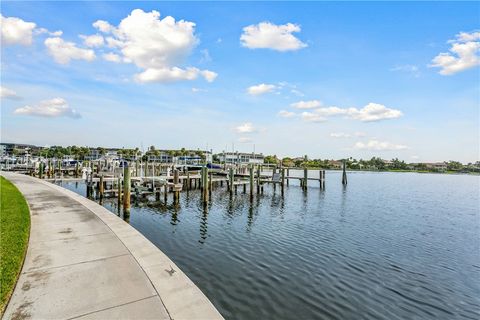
(84, 262)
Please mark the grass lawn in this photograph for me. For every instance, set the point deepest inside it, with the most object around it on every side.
(14, 233)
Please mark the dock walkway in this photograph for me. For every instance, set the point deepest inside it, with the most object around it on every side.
(83, 262)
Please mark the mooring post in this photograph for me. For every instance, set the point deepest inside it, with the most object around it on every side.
(305, 178)
(344, 175)
(283, 179)
(176, 180)
(274, 171)
(258, 179)
(101, 188)
(119, 190)
(188, 181)
(288, 175)
(204, 183)
(210, 182)
(251, 180)
(40, 170)
(126, 188)
(231, 179)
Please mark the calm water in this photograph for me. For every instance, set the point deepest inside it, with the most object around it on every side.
(387, 246)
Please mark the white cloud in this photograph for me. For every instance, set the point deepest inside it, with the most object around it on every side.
(156, 45)
(93, 41)
(260, 89)
(64, 51)
(6, 93)
(112, 57)
(246, 127)
(331, 111)
(16, 31)
(408, 68)
(245, 140)
(266, 35)
(376, 145)
(286, 114)
(312, 104)
(463, 54)
(173, 74)
(45, 31)
(205, 56)
(103, 26)
(297, 93)
(312, 117)
(56, 107)
(210, 76)
(340, 135)
(373, 112)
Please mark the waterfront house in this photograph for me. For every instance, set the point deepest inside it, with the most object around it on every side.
(241, 158)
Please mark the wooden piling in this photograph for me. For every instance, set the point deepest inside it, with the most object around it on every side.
(119, 190)
(126, 188)
(231, 179)
(305, 178)
(283, 179)
(41, 167)
(251, 181)
(176, 180)
(344, 175)
(288, 175)
(101, 187)
(258, 179)
(210, 182)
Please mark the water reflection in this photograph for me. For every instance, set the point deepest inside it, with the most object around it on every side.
(385, 246)
(204, 224)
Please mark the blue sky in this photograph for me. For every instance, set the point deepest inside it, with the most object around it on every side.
(326, 79)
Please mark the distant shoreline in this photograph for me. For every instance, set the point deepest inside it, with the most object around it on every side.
(393, 170)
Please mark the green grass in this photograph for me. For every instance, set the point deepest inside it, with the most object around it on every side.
(14, 233)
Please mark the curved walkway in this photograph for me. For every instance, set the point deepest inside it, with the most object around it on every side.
(83, 262)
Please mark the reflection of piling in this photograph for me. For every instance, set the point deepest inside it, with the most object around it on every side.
(126, 188)
(344, 175)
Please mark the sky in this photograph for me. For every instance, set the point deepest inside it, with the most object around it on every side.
(323, 79)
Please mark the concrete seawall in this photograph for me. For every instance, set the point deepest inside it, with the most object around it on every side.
(85, 262)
